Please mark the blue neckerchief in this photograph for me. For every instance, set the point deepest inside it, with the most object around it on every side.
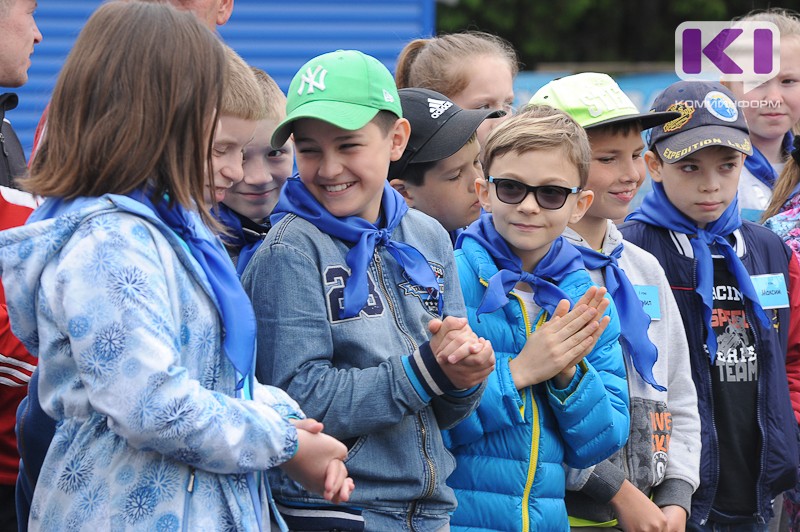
(454, 234)
(237, 315)
(633, 318)
(246, 241)
(561, 260)
(234, 306)
(296, 199)
(760, 167)
(657, 210)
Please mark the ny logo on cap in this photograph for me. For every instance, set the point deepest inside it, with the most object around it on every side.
(437, 107)
(311, 78)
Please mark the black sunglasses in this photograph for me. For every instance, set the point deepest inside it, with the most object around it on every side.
(550, 197)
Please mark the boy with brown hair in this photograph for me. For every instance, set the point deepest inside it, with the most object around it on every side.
(437, 171)
(736, 285)
(558, 393)
(651, 480)
(357, 304)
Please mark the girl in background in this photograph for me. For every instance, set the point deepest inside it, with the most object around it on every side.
(474, 69)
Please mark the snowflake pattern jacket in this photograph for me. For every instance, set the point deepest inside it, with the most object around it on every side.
(151, 434)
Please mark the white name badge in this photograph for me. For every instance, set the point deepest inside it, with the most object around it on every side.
(771, 290)
(648, 295)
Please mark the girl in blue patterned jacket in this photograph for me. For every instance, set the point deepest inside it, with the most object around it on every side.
(144, 335)
(558, 392)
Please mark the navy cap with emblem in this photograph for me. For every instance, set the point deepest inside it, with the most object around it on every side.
(439, 127)
(709, 117)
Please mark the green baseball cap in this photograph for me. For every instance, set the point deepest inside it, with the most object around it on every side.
(346, 88)
(593, 99)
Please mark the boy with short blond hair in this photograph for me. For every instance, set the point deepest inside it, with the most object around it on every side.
(437, 171)
(651, 480)
(351, 290)
(736, 285)
(241, 108)
(558, 392)
(248, 203)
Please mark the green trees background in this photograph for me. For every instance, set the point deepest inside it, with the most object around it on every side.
(553, 31)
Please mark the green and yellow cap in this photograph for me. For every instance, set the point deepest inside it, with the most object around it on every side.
(593, 99)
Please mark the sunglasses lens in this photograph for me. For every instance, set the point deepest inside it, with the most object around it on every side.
(551, 197)
(510, 191)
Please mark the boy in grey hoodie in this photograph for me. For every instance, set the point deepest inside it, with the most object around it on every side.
(649, 483)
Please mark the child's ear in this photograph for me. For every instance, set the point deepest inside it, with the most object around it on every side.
(482, 190)
(400, 186)
(399, 135)
(654, 165)
(585, 200)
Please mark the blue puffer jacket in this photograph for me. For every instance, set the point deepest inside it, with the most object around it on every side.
(509, 473)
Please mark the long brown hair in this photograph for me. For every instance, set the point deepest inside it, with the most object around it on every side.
(438, 63)
(134, 106)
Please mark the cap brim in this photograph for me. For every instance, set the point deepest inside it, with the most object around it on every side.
(647, 120)
(345, 115)
(682, 144)
(453, 134)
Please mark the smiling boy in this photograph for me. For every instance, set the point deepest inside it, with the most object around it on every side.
(351, 289)
(651, 480)
(242, 107)
(248, 203)
(558, 392)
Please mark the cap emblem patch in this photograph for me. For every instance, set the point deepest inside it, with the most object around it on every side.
(721, 106)
(310, 80)
(686, 112)
(438, 107)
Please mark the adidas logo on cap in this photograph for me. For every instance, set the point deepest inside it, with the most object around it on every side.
(437, 107)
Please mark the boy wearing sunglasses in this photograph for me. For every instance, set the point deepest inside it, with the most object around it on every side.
(558, 393)
(649, 483)
(736, 286)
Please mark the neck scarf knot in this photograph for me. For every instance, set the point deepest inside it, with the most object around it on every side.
(657, 210)
(561, 259)
(297, 199)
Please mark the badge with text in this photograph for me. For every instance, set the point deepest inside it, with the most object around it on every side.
(648, 295)
(771, 290)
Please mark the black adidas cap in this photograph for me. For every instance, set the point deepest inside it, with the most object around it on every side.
(439, 128)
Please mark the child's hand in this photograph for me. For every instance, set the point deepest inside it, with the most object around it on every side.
(318, 464)
(636, 512)
(453, 339)
(465, 358)
(553, 350)
(676, 518)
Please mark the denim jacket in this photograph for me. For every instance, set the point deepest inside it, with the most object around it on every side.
(352, 374)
